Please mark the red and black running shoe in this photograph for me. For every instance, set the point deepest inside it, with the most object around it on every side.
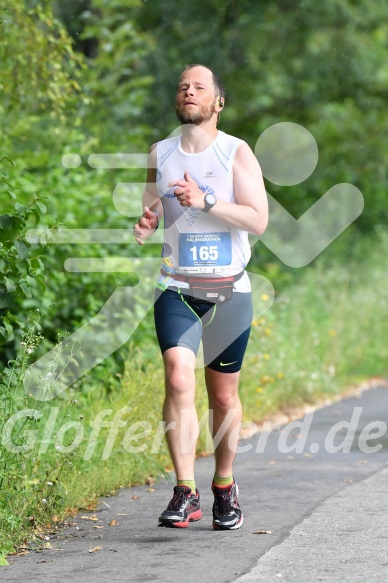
(184, 507)
(227, 513)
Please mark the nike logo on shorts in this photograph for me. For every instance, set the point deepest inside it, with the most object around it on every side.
(227, 363)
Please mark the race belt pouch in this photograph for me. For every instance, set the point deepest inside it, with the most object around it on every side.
(214, 290)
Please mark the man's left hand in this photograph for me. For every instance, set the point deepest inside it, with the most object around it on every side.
(188, 192)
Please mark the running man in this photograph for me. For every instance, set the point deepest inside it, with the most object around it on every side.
(208, 187)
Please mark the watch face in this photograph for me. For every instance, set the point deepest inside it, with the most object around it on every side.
(210, 199)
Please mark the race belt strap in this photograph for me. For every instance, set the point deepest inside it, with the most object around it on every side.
(189, 278)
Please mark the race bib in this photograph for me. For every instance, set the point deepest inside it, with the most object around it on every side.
(204, 251)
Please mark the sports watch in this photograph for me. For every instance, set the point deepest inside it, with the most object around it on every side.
(210, 201)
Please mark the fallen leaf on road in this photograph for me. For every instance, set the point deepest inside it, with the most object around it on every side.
(98, 526)
(113, 522)
(94, 517)
(150, 481)
(121, 514)
(150, 490)
(262, 532)
(93, 550)
(135, 497)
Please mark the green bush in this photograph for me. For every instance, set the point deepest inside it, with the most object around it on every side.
(21, 267)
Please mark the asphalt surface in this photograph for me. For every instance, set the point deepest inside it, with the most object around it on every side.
(324, 514)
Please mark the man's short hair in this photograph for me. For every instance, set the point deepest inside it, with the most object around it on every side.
(218, 85)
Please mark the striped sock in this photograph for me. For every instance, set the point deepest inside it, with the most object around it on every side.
(189, 483)
(220, 481)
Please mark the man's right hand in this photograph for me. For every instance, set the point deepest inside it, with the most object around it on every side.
(145, 226)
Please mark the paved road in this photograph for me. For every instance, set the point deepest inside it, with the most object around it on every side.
(326, 512)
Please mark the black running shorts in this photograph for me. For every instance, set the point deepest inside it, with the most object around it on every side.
(223, 328)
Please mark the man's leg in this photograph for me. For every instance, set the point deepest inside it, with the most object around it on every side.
(179, 332)
(224, 344)
(179, 409)
(179, 412)
(226, 407)
(224, 402)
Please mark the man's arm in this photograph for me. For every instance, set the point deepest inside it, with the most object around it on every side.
(251, 211)
(149, 222)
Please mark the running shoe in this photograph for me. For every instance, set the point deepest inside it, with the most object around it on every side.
(184, 507)
(227, 513)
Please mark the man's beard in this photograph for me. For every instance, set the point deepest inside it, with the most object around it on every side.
(195, 118)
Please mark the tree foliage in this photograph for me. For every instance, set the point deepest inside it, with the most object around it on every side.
(21, 268)
(114, 48)
(322, 65)
(63, 115)
(39, 70)
(39, 67)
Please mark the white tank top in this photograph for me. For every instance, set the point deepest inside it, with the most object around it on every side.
(195, 242)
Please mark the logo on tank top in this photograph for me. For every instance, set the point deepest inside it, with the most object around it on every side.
(209, 175)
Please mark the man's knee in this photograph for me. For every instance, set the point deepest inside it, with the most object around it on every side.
(179, 363)
(222, 390)
(224, 400)
(178, 382)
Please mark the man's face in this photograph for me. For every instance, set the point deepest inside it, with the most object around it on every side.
(195, 99)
